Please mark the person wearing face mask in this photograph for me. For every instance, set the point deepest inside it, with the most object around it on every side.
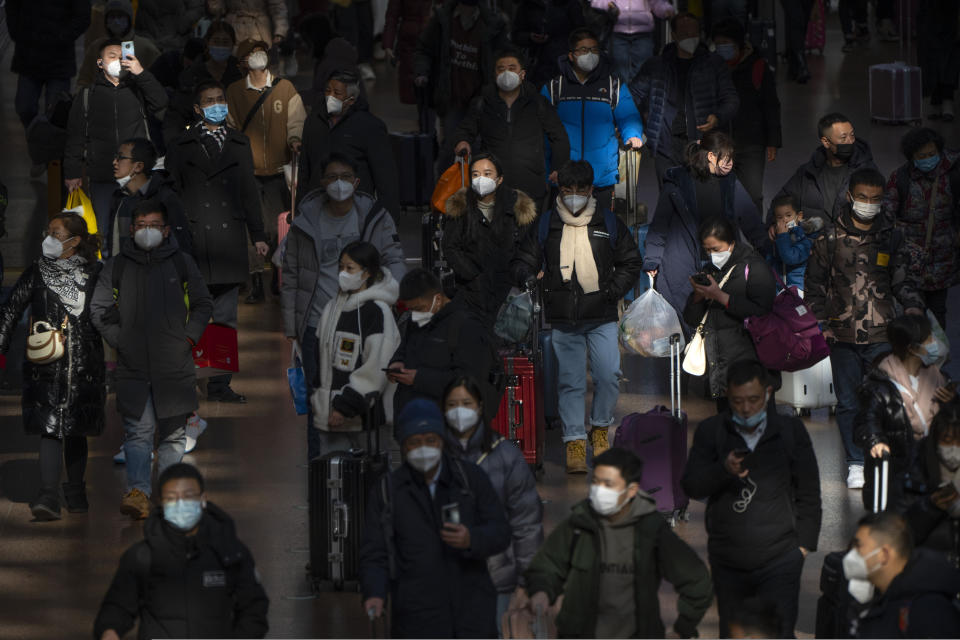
(356, 338)
(483, 227)
(684, 93)
(190, 576)
(62, 401)
(899, 399)
(515, 124)
(265, 20)
(586, 260)
(758, 472)
(705, 188)
(595, 108)
(541, 28)
(431, 526)
(858, 273)
(909, 592)
(469, 437)
(113, 107)
(607, 560)
(747, 290)
(154, 336)
(270, 112)
(169, 23)
(118, 26)
(921, 197)
(632, 41)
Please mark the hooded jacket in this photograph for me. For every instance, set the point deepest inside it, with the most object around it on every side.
(200, 586)
(313, 252)
(785, 511)
(516, 136)
(791, 251)
(593, 112)
(515, 486)
(709, 90)
(152, 320)
(356, 338)
(143, 47)
(481, 260)
(159, 187)
(44, 35)
(921, 602)
(757, 123)
(569, 564)
(856, 278)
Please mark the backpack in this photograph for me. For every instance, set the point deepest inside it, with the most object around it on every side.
(555, 90)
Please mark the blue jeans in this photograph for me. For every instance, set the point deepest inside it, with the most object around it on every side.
(571, 347)
(629, 51)
(29, 88)
(850, 363)
(138, 444)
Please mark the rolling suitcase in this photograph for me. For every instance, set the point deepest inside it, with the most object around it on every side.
(413, 153)
(763, 36)
(895, 89)
(520, 415)
(808, 389)
(659, 438)
(285, 219)
(876, 486)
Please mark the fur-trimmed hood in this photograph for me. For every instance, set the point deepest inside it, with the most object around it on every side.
(524, 209)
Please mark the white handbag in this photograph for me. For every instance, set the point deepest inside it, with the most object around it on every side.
(45, 344)
(695, 355)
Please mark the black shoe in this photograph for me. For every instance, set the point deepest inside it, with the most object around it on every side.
(228, 395)
(47, 506)
(75, 495)
(256, 291)
(802, 75)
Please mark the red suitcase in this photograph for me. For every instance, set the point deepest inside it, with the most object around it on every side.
(520, 416)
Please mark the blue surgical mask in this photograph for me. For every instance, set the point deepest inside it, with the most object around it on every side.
(727, 51)
(215, 113)
(927, 164)
(931, 353)
(219, 54)
(183, 514)
(752, 422)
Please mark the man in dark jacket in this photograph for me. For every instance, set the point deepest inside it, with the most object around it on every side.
(343, 124)
(212, 168)
(758, 473)
(118, 23)
(442, 340)
(190, 577)
(857, 273)
(607, 560)
(541, 27)
(821, 183)
(152, 305)
(911, 593)
(430, 527)
(683, 93)
(512, 119)
(589, 261)
(112, 109)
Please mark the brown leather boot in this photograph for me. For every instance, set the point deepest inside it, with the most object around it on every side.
(577, 456)
(599, 440)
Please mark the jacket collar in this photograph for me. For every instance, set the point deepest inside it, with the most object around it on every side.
(881, 223)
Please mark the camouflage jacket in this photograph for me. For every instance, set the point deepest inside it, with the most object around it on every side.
(855, 279)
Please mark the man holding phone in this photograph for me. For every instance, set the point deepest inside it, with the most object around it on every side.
(758, 472)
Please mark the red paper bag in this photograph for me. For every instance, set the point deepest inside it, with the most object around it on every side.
(216, 353)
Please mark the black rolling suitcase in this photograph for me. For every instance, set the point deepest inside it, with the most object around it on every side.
(339, 484)
(836, 608)
(414, 153)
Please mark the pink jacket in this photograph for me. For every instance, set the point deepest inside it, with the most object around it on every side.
(636, 16)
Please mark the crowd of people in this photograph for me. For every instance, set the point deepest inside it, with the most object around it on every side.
(190, 146)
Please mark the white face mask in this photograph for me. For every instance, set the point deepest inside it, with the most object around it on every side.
(423, 317)
(866, 211)
(148, 239)
(334, 105)
(720, 258)
(508, 80)
(604, 500)
(114, 68)
(462, 418)
(258, 60)
(424, 459)
(688, 45)
(855, 565)
(52, 248)
(483, 185)
(124, 180)
(340, 190)
(588, 62)
(949, 456)
(791, 224)
(350, 281)
(575, 203)
(861, 590)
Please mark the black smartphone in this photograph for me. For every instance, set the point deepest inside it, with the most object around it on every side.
(701, 279)
(742, 453)
(393, 369)
(450, 513)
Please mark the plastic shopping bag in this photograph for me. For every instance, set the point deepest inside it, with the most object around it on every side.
(940, 336)
(515, 318)
(79, 203)
(451, 181)
(298, 383)
(647, 325)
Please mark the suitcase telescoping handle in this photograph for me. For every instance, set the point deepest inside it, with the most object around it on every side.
(370, 424)
(881, 483)
(675, 408)
(340, 523)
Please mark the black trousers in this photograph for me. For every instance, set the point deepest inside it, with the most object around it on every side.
(853, 13)
(72, 451)
(796, 15)
(777, 582)
(749, 167)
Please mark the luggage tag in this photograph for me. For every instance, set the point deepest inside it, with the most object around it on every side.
(883, 259)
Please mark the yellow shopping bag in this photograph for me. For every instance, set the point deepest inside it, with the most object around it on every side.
(77, 198)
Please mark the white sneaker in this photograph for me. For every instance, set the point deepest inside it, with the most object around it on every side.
(855, 476)
(121, 457)
(366, 71)
(195, 426)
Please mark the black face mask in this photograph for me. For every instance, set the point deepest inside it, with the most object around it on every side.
(844, 152)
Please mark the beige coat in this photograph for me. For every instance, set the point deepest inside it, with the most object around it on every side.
(278, 123)
(253, 19)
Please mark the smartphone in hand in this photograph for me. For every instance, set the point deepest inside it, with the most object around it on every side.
(450, 513)
(126, 49)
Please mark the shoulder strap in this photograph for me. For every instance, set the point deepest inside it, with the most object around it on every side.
(368, 221)
(181, 264)
(614, 92)
(85, 99)
(458, 465)
(573, 543)
(256, 106)
(610, 221)
(492, 447)
(116, 276)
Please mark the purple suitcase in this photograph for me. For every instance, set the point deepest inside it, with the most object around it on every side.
(895, 88)
(659, 438)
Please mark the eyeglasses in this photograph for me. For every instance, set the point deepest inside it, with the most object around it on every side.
(582, 51)
(154, 225)
(60, 238)
(348, 177)
(119, 157)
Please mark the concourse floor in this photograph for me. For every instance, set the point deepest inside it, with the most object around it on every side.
(53, 575)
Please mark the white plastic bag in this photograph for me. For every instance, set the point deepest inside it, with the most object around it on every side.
(647, 325)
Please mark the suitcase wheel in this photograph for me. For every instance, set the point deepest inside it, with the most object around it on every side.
(801, 413)
(833, 410)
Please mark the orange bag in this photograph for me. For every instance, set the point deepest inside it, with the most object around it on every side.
(452, 180)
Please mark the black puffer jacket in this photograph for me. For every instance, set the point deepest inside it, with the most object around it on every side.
(159, 188)
(65, 397)
(883, 419)
(785, 511)
(752, 290)
(565, 303)
(45, 34)
(200, 586)
(757, 122)
(710, 90)
(113, 114)
(478, 252)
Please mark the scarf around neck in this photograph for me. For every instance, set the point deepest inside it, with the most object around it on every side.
(919, 404)
(576, 253)
(67, 279)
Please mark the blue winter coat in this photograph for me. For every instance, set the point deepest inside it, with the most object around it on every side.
(710, 91)
(789, 256)
(672, 245)
(592, 112)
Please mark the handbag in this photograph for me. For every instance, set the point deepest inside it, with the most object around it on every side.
(45, 344)
(298, 382)
(695, 355)
(456, 177)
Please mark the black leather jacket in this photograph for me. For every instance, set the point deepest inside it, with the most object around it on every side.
(883, 419)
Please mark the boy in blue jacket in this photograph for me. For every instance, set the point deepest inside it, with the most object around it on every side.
(793, 241)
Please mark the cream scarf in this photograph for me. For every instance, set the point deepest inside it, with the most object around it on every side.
(575, 251)
(919, 404)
